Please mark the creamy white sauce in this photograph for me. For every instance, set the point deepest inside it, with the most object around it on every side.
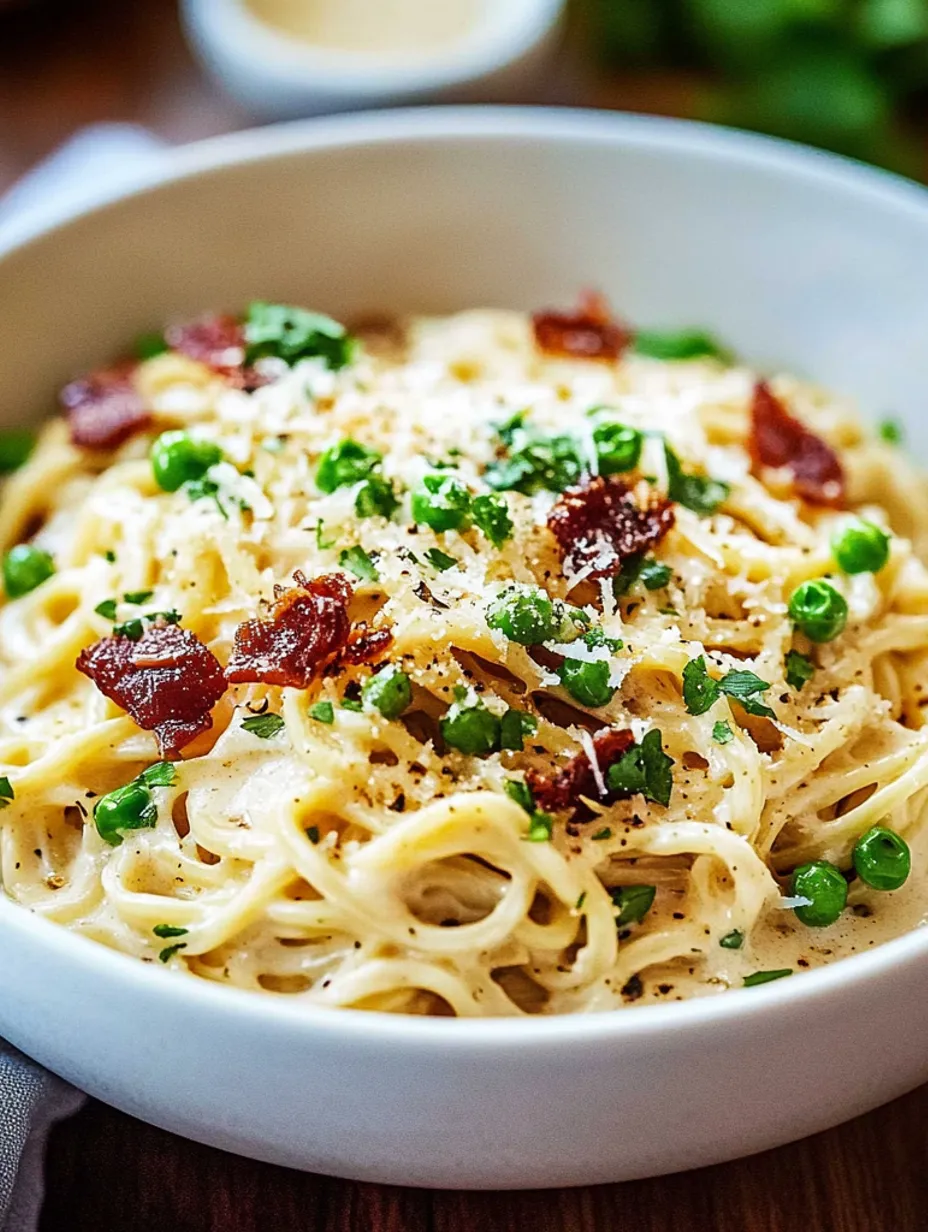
(392, 27)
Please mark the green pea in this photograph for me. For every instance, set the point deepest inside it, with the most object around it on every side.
(441, 502)
(389, 691)
(587, 683)
(825, 887)
(127, 808)
(861, 548)
(882, 859)
(530, 617)
(178, 458)
(25, 568)
(618, 448)
(345, 463)
(471, 729)
(818, 610)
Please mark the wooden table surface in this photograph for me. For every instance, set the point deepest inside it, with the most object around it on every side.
(77, 62)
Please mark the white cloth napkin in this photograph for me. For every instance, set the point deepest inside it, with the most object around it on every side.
(92, 165)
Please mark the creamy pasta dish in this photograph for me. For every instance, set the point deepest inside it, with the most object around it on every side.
(483, 665)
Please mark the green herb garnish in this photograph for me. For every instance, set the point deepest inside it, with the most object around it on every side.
(358, 562)
(439, 560)
(722, 732)
(764, 977)
(643, 769)
(292, 334)
(701, 692)
(169, 930)
(632, 902)
(799, 669)
(6, 792)
(16, 444)
(322, 712)
(264, 726)
(697, 492)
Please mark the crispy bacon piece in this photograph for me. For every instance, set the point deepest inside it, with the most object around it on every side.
(365, 645)
(779, 440)
(104, 409)
(308, 631)
(588, 333)
(219, 343)
(562, 790)
(168, 681)
(600, 525)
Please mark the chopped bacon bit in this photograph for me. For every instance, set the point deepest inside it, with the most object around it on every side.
(600, 525)
(168, 681)
(562, 790)
(104, 409)
(588, 333)
(219, 343)
(365, 645)
(779, 440)
(308, 631)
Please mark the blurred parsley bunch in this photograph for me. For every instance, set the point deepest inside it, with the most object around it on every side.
(835, 73)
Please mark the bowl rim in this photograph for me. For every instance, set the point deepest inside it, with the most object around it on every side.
(674, 138)
(503, 33)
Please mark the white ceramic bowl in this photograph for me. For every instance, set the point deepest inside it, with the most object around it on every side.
(280, 77)
(792, 256)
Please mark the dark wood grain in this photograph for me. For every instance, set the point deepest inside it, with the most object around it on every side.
(108, 1173)
(66, 63)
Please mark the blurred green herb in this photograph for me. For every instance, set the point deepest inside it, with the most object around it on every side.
(841, 74)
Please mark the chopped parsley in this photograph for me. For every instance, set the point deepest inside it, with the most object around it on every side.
(106, 609)
(733, 940)
(439, 560)
(541, 825)
(653, 574)
(292, 334)
(644, 769)
(358, 562)
(351, 703)
(110, 555)
(322, 712)
(602, 834)
(701, 692)
(376, 498)
(323, 544)
(137, 597)
(536, 463)
(133, 629)
(678, 344)
(721, 732)
(6, 792)
(264, 726)
(520, 793)
(169, 930)
(764, 977)
(514, 726)
(799, 669)
(345, 463)
(697, 492)
(632, 902)
(490, 514)
(169, 951)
